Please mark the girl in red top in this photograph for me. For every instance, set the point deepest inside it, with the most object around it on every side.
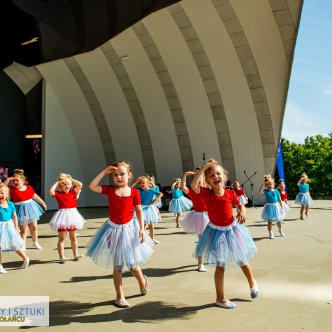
(224, 239)
(67, 218)
(29, 206)
(240, 193)
(194, 222)
(283, 195)
(121, 240)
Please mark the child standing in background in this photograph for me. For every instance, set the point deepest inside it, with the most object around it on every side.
(121, 241)
(10, 238)
(240, 193)
(273, 209)
(67, 218)
(194, 222)
(178, 203)
(225, 240)
(303, 198)
(283, 195)
(29, 206)
(149, 197)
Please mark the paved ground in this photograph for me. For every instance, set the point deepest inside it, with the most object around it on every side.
(294, 275)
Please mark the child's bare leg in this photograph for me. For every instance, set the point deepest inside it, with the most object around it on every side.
(24, 232)
(33, 231)
(177, 218)
(301, 212)
(246, 269)
(21, 253)
(219, 284)
(269, 228)
(61, 244)
(306, 210)
(151, 230)
(73, 241)
(138, 274)
(117, 280)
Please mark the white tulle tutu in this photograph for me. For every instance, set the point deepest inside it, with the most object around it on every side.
(150, 214)
(10, 239)
(286, 208)
(243, 199)
(119, 245)
(226, 246)
(28, 211)
(179, 205)
(273, 212)
(195, 222)
(67, 218)
(303, 199)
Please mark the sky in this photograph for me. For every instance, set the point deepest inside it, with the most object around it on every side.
(309, 103)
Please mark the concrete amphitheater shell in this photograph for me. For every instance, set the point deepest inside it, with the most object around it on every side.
(198, 79)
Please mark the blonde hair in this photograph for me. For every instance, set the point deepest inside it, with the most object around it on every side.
(5, 188)
(127, 165)
(235, 183)
(304, 176)
(214, 163)
(19, 172)
(268, 178)
(63, 177)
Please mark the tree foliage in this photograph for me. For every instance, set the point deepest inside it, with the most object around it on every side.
(314, 157)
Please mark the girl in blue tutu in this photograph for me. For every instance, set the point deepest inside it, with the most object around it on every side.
(29, 206)
(178, 203)
(121, 241)
(273, 211)
(10, 238)
(67, 218)
(225, 241)
(303, 198)
(149, 196)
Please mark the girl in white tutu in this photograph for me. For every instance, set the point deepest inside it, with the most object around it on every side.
(303, 198)
(121, 241)
(10, 238)
(284, 196)
(149, 197)
(29, 206)
(240, 193)
(225, 241)
(194, 222)
(273, 211)
(178, 203)
(67, 218)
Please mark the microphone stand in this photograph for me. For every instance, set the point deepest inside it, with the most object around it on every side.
(251, 185)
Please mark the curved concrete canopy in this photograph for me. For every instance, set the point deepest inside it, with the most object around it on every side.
(198, 78)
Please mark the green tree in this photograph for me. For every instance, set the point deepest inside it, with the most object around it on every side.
(314, 157)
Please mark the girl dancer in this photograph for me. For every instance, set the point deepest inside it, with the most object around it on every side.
(120, 241)
(149, 197)
(10, 239)
(67, 218)
(224, 238)
(195, 221)
(29, 206)
(273, 210)
(283, 195)
(303, 198)
(240, 193)
(178, 203)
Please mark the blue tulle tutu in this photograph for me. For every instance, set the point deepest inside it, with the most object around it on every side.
(226, 246)
(28, 211)
(303, 199)
(119, 245)
(10, 239)
(179, 205)
(67, 218)
(195, 222)
(272, 212)
(150, 214)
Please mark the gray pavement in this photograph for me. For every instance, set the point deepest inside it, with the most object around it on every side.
(293, 273)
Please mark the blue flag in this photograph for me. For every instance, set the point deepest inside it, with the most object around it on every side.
(280, 164)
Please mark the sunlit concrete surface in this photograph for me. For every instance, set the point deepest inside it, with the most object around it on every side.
(293, 273)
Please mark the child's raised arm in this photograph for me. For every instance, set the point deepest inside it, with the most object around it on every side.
(94, 184)
(51, 191)
(261, 190)
(135, 182)
(184, 181)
